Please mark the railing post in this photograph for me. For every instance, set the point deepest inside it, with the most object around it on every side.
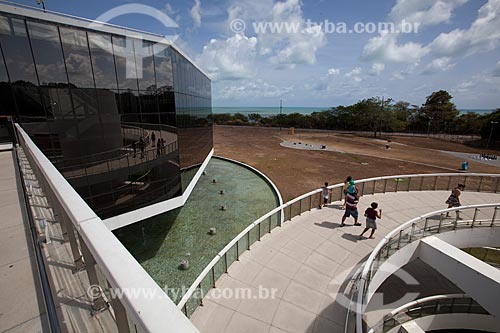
(411, 232)
(310, 202)
(494, 217)
(421, 183)
(225, 262)
(397, 184)
(498, 183)
(270, 223)
(474, 217)
(399, 239)
(435, 182)
(465, 180)
(409, 182)
(300, 207)
(480, 183)
(440, 223)
(258, 236)
(237, 251)
(248, 240)
(385, 185)
(362, 188)
(449, 183)
(425, 224)
(213, 276)
(374, 186)
(201, 294)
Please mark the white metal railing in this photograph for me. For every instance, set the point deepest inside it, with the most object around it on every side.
(416, 229)
(428, 306)
(150, 310)
(416, 182)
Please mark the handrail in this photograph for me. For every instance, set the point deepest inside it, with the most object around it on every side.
(282, 211)
(367, 268)
(42, 269)
(152, 310)
(380, 326)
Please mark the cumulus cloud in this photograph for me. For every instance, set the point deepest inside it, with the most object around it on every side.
(355, 74)
(248, 89)
(496, 71)
(229, 59)
(425, 12)
(376, 69)
(483, 34)
(196, 13)
(438, 65)
(333, 71)
(384, 48)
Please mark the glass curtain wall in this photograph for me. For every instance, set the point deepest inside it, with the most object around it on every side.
(119, 117)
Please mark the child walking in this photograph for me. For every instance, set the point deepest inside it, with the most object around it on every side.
(325, 194)
(372, 215)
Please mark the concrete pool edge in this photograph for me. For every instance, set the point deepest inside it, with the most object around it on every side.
(260, 174)
(140, 214)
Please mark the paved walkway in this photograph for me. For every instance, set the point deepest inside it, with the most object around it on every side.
(306, 261)
(21, 304)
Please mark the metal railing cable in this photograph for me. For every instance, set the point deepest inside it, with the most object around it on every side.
(243, 241)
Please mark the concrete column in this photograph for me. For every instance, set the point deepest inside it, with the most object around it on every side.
(120, 314)
(98, 302)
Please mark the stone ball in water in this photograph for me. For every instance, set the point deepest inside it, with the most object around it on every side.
(204, 173)
(223, 207)
(214, 181)
(212, 231)
(221, 192)
(184, 264)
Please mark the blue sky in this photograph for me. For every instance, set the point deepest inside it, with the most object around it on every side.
(456, 48)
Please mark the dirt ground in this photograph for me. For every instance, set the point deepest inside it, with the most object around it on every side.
(296, 171)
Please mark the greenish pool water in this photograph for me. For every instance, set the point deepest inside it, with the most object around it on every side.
(159, 244)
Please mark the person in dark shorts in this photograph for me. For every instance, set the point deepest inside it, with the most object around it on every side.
(454, 199)
(325, 194)
(351, 208)
(372, 215)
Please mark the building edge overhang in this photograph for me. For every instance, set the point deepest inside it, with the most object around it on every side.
(128, 218)
(91, 25)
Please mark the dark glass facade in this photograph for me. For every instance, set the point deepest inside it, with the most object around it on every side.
(120, 117)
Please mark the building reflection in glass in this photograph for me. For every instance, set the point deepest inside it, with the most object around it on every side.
(122, 142)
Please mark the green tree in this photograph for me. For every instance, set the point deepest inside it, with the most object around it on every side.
(439, 110)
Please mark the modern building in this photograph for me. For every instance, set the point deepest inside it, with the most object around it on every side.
(125, 120)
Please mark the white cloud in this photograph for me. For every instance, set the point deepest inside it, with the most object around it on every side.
(229, 59)
(196, 13)
(384, 48)
(483, 34)
(333, 71)
(496, 71)
(283, 49)
(355, 74)
(169, 10)
(424, 12)
(377, 69)
(438, 65)
(249, 89)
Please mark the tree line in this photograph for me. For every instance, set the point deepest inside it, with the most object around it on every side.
(437, 115)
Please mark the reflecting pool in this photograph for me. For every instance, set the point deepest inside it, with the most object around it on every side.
(162, 242)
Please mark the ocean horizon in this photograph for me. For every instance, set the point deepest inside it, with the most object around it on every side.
(269, 110)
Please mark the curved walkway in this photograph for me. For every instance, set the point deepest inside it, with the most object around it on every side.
(305, 262)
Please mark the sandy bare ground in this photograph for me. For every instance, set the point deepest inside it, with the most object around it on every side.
(297, 171)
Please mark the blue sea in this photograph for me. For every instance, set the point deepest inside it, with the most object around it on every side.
(302, 110)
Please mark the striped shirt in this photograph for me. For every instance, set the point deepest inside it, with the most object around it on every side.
(351, 201)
